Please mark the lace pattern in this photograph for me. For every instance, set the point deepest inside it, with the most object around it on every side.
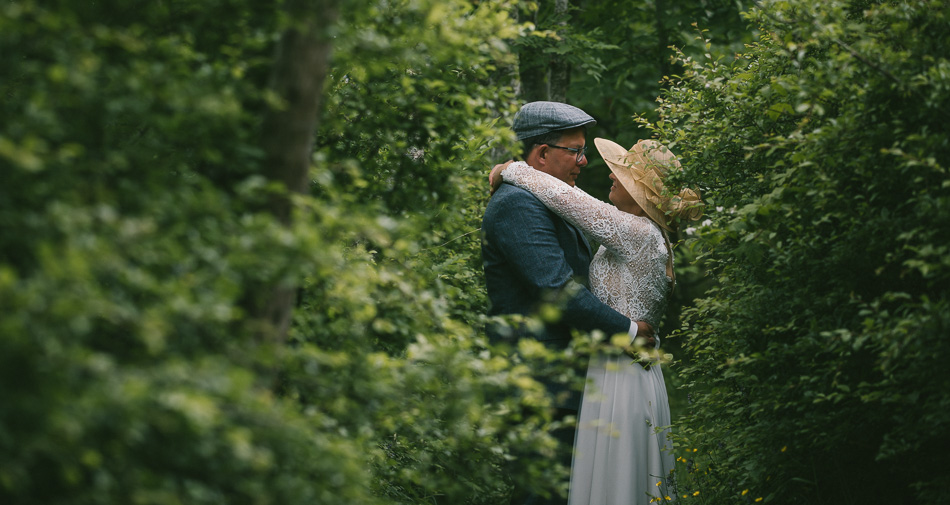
(628, 272)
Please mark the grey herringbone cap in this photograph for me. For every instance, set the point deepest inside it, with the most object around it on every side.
(538, 118)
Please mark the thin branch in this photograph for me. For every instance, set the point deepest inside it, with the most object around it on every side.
(452, 240)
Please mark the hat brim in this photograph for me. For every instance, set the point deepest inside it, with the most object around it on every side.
(620, 161)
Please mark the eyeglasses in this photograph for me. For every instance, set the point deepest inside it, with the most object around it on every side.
(581, 152)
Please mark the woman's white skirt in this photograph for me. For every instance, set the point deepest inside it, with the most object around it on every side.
(622, 449)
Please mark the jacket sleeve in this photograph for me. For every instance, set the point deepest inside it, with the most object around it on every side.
(525, 231)
(625, 234)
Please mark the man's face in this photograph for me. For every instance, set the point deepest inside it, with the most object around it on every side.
(562, 163)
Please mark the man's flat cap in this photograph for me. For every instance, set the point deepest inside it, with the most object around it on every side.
(538, 118)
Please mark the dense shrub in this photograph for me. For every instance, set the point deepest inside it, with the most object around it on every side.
(131, 370)
(815, 363)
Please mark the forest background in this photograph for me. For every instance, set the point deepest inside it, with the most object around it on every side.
(239, 259)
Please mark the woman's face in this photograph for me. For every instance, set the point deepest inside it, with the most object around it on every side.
(622, 199)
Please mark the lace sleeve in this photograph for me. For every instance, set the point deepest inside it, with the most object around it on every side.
(620, 231)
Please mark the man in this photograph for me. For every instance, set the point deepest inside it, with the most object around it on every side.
(533, 257)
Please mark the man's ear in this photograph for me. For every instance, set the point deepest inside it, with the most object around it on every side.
(542, 153)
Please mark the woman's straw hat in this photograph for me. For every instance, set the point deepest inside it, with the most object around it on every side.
(642, 170)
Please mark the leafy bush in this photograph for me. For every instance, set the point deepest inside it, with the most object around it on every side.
(133, 182)
(815, 362)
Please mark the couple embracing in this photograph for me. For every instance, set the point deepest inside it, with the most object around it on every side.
(535, 251)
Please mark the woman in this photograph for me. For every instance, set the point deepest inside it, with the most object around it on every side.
(622, 454)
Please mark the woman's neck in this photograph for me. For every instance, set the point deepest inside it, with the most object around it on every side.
(632, 208)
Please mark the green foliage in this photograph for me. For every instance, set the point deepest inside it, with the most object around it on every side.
(132, 183)
(408, 97)
(622, 76)
(815, 362)
(411, 117)
(133, 238)
(129, 374)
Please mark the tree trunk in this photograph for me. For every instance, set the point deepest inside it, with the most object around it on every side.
(559, 76)
(512, 73)
(300, 67)
(505, 75)
(533, 69)
(662, 39)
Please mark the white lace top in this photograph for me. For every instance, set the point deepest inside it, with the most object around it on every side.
(628, 273)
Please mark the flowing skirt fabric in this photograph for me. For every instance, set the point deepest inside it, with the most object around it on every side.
(622, 448)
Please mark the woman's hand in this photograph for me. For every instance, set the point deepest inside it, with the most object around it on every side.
(494, 177)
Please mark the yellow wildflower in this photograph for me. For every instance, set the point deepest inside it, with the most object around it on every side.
(696, 493)
(757, 500)
(744, 491)
(783, 448)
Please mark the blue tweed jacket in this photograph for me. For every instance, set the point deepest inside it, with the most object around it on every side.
(532, 256)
